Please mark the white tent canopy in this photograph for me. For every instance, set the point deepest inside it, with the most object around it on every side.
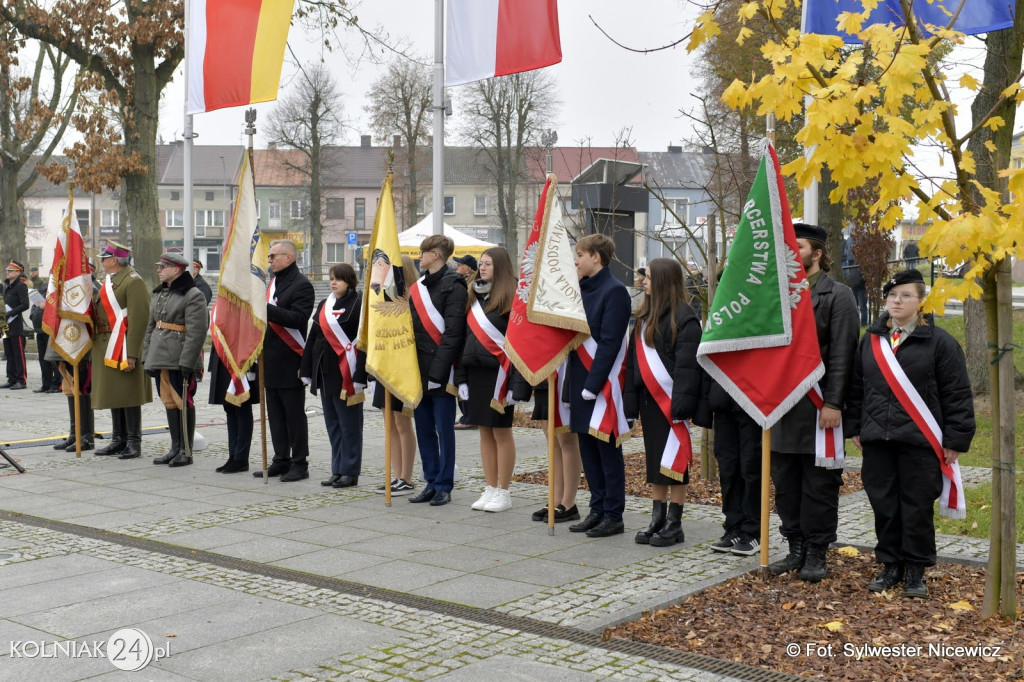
(410, 239)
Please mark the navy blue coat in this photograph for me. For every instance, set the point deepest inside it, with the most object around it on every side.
(607, 305)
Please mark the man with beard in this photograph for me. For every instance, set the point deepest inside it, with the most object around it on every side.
(806, 492)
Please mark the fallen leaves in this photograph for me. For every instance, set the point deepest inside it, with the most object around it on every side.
(754, 620)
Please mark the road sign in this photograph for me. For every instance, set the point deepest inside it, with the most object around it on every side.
(353, 238)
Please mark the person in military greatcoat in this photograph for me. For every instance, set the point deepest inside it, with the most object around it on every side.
(173, 351)
(120, 384)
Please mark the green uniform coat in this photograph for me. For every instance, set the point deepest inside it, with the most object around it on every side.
(112, 388)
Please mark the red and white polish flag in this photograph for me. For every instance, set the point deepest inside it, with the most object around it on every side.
(487, 38)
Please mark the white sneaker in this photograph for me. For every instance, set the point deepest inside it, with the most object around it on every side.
(501, 501)
(488, 495)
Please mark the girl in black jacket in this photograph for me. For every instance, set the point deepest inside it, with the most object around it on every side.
(663, 388)
(331, 364)
(902, 473)
(483, 374)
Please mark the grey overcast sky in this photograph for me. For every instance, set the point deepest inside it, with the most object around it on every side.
(602, 87)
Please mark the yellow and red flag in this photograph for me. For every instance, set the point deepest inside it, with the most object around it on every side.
(68, 311)
(239, 318)
(235, 51)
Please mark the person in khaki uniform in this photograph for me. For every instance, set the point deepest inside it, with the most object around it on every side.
(119, 379)
(173, 351)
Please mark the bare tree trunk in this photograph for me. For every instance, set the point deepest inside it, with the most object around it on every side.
(140, 192)
(830, 217)
(976, 345)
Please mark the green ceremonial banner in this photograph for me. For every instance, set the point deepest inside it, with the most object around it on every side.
(760, 342)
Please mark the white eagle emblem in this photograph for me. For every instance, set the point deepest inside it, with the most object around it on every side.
(528, 267)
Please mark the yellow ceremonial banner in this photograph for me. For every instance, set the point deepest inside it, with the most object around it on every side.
(385, 326)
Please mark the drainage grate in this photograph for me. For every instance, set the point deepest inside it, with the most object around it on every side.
(477, 615)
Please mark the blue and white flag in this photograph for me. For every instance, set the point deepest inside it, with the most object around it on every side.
(976, 16)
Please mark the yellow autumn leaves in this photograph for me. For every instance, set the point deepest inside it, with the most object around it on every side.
(868, 114)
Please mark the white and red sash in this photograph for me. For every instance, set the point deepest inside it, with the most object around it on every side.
(432, 320)
(561, 415)
(829, 446)
(292, 337)
(952, 502)
(343, 348)
(675, 458)
(608, 420)
(494, 341)
(116, 353)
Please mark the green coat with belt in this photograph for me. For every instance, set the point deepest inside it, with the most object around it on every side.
(112, 388)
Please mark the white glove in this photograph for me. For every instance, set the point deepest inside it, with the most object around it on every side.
(251, 376)
(306, 380)
(359, 387)
(587, 395)
(513, 401)
(431, 385)
(678, 421)
(463, 391)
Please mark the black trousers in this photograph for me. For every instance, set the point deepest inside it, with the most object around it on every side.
(806, 497)
(738, 451)
(239, 420)
(14, 351)
(51, 378)
(902, 483)
(606, 476)
(289, 430)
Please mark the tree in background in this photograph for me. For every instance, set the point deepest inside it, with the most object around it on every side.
(131, 49)
(308, 119)
(32, 124)
(504, 117)
(400, 104)
(860, 129)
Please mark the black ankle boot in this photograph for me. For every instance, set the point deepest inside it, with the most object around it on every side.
(672, 532)
(657, 521)
(815, 567)
(118, 440)
(913, 581)
(174, 427)
(70, 440)
(792, 561)
(890, 577)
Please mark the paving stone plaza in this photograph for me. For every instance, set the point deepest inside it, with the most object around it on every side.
(234, 579)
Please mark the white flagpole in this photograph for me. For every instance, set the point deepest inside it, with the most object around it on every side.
(438, 187)
(186, 246)
(810, 215)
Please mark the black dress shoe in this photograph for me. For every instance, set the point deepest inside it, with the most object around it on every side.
(8, 384)
(235, 466)
(274, 469)
(346, 481)
(44, 389)
(330, 481)
(56, 389)
(18, 387)
(294, 474)
(606, 528)
(562, 514)
(223, 466)
(586, 524)
(440, 498)
(426, 495)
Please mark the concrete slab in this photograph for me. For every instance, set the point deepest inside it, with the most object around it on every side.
(543, 571)
(403, 576)
(13, 576)
(277, 650)
(330, 535)
(267, 549)
(481, 591)
(112, 612)
(333, 562)
(78, 588)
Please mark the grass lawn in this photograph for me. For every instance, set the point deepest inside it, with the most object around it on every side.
(979, 498)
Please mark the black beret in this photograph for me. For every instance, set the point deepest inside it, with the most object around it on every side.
(812, 232)
(904, 277)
